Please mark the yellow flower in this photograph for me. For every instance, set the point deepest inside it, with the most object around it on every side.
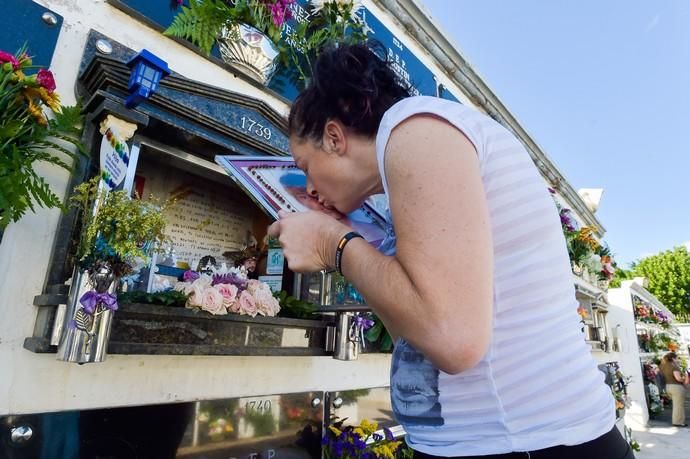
(386, 450)
(586, 235)
(360, 432)
(335, 431)
(36, 112)
(383, 451)
(369, 427)
(52, 100)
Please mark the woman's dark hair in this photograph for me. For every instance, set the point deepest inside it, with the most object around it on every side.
(351, 83)
(671, 356)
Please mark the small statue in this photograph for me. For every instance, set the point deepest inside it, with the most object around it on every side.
(245, 260)
(101, 276)
(206, 264)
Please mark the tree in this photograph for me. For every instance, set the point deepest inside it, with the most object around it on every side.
(621, 275)
(669, 278)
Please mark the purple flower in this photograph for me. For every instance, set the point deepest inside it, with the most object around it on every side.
(358, 442)
(280, 12)
(190, 276)
(230, 278)
(388, 433)
(338, 448)
(568, 221)
(363, 322)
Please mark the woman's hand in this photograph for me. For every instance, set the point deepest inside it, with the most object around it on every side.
(308, 239)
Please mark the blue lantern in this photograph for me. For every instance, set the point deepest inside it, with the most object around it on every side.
(147, 71)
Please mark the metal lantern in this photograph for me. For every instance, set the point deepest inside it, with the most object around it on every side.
(147, 72)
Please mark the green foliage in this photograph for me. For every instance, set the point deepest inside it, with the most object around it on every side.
(166, 298)
(620, 276)
(262, 421)
(635, 446)
(28, 138)
(379, 334)
(669, 278)
(202, 22)
(292, 307)
(121, 229)
(334, 23)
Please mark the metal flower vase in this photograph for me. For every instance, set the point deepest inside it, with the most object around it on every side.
(249, 50)
(347, 340)
(89, 316)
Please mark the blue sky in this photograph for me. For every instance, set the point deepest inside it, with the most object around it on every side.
(604, 89)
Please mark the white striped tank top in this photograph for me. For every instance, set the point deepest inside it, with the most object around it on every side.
(538, 385)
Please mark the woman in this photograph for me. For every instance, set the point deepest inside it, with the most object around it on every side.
(475, 280)
(676, 383)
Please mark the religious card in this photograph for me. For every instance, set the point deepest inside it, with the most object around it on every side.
(275, 183)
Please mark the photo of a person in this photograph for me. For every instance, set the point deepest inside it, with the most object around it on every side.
(295, 183)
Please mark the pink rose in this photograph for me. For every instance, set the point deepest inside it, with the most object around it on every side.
(266, 303)
(196, 295)
(212, 301)
(229, 293)
(45, 79)
(253, 285)
(193, 287)
(7, 57)
(247, 304)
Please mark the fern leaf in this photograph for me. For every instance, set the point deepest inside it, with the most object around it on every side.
(201, 22)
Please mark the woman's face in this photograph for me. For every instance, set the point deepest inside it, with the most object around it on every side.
(311, 202)
(331, 177)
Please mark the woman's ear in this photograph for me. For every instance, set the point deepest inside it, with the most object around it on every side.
(334, 140)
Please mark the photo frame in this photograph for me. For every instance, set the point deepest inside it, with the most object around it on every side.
(275, 183)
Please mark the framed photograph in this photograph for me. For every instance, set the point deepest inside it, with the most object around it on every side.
(275, 183)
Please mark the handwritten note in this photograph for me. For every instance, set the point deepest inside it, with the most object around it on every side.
(208, 218)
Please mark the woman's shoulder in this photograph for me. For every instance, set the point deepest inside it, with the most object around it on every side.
(417, 105)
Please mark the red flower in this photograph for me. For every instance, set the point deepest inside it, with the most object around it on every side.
(7, 57)
(46, 80)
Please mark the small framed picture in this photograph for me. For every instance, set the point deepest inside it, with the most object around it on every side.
(276, 183)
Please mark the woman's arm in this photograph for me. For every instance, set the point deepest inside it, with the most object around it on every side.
(679, 378)
(437, 291)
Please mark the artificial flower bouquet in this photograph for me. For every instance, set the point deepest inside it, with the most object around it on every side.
(317, 25)
(228, 290)
(28, 136)
(650, 314)
(361, 442)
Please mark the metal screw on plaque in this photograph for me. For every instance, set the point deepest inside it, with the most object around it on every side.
(104, 46)
(338, 402)
(315, 402)
(21, 434)
(49, 18)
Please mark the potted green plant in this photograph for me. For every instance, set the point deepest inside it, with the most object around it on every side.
(28, 136)
(116, 230)
(254, 35)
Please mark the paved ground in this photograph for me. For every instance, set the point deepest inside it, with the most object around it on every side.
(662, 441)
